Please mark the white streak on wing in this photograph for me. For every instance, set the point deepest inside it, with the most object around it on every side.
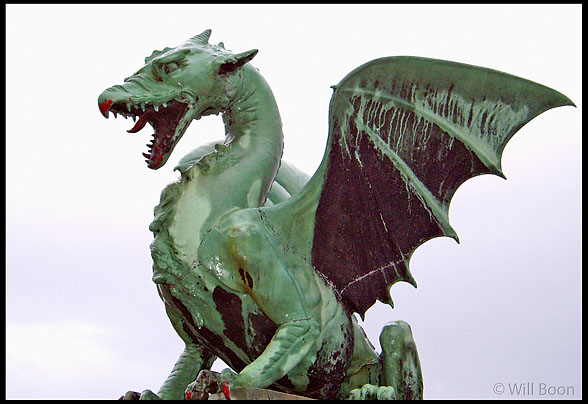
(373, 272)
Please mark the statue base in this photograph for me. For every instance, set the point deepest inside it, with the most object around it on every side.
(252, 393)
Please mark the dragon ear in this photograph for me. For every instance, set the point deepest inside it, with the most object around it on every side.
(233, 62)
(155, 54)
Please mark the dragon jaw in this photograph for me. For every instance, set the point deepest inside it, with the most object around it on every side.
(169, 121)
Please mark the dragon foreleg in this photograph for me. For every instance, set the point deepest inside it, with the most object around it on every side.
(189, 364)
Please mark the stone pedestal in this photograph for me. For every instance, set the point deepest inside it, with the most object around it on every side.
(252, 393)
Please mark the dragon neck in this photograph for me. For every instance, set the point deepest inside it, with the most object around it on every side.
(237, 175)
(250, 157)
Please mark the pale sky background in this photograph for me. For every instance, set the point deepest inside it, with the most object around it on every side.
(83, 319)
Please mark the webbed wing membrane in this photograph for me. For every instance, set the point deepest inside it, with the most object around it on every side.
(404, 134)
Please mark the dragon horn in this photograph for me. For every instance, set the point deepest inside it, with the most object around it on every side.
(203, 37)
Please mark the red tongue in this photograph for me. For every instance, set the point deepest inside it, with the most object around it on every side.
(140, 124)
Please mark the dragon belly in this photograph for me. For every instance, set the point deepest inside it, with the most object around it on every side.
(235, 330)
(236, 337)
(205, 311)
(232, 327)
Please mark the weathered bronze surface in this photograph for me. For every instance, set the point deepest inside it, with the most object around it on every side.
(263, 267)
(252, 393)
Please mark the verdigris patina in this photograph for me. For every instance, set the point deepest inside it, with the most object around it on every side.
(263, 267)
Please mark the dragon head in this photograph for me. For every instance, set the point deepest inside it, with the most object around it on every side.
(175, 86)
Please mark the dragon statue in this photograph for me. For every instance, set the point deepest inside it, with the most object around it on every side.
(264, 267)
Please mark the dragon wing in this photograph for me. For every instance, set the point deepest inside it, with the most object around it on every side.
(404, 134)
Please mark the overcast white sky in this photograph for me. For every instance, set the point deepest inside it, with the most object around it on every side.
(83, 317)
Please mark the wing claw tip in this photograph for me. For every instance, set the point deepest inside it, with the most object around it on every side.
(413, 282)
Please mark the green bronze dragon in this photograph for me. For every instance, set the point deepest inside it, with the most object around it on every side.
(263, 267)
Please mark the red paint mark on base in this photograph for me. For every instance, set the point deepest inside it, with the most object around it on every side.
(188, 396)
(226, 391)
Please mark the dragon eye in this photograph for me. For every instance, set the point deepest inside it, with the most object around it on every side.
(170, 67)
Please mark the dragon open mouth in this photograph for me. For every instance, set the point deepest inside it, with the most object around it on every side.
(164, 118)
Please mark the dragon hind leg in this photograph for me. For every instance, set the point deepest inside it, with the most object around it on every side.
(401, 377)
(401, 367)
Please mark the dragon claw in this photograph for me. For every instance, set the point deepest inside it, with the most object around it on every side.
(130, 395)
(145, 395)
(371, 392)
(206, 383)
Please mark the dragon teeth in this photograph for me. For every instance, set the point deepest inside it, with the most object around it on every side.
(129, 107)
(156, 107)
(165, 105)
(143, 106)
